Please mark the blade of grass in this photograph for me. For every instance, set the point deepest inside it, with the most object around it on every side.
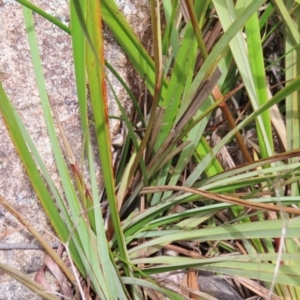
(257, 270)
(256, 60)
(156, 30)
(130, 44)
(170, 36)
(28, 282)
(36, 179)
(119, 26)
(293, 86)
(149, 285)
(39, 238)
(221, 198)
(227, 14)
(183, 66)
(96, 77)
(153, 218)
(292, 60)
(45, 15)
(226, 232)
(84, 238)
(289, 24)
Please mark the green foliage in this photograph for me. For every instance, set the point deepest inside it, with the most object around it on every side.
(171, 185)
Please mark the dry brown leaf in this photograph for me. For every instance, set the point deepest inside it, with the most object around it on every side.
(65, 288)
(40, 278)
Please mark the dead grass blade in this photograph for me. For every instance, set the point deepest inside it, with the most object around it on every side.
(255, 287)
(28, 282)
(39, 238)
(221, 198)
(192, 283)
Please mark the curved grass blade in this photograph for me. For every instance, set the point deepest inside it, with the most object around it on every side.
(28, 282)
(84, 238)
(254, 268)
(39, 238)
(119, 26)
(221, 198)
(272, 229)
(32, 171)
(45, 15)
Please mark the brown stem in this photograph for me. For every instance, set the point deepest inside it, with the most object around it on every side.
(216, 93)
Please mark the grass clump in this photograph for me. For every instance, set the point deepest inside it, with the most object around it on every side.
(213, 163)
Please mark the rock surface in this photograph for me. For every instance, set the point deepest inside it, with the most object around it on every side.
(19, 83)
(216, 287)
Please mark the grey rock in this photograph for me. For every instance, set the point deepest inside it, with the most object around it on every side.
(217, 287)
